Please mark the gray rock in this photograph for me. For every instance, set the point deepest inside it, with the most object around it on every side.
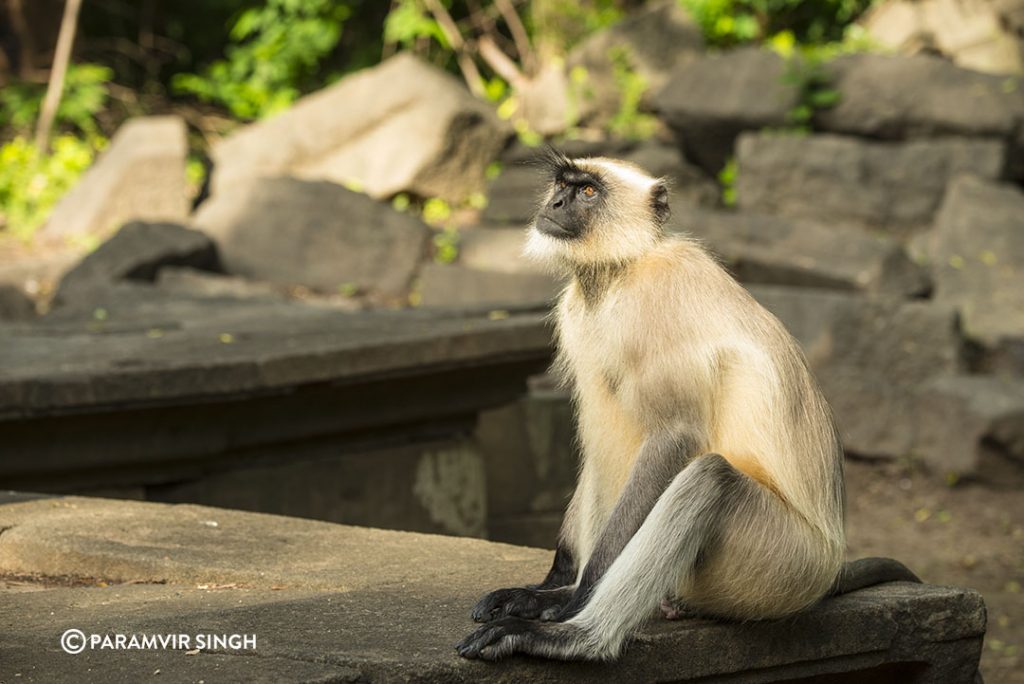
(401, 126)
(893, 187)
(315, 234)
(191, 282)
(759, 248)
(496, 249)
(15, 305)
(458, 286)
(871, 356)
(652, 41)
(972, 426)
(136, 252)
(336, 603)
(512, 197)
(709, 102)
(140, 176)
(885, 96)
(978, 254)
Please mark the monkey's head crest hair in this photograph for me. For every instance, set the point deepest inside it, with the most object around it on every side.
(553, 162)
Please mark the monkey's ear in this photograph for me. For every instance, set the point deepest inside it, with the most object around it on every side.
(659, 202)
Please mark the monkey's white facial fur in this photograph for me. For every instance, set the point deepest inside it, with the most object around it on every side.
(596, 210)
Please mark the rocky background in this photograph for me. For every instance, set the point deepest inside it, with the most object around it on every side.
(873, 199)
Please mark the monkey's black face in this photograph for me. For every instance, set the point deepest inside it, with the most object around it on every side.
(577, 198)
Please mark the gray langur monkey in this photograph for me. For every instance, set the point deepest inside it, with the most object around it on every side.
(712, 473)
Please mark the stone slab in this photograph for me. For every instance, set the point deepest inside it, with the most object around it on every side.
(151, 348)
(342, 603)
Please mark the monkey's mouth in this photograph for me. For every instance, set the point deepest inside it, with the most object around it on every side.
(553, 228)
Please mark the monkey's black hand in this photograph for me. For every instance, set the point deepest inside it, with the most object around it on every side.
(521, 602)
(495, 640)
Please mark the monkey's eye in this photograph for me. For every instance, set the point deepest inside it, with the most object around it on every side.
(589, 190)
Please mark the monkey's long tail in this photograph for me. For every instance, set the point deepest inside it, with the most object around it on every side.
(867, 572)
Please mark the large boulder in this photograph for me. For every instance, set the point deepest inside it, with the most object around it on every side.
(894, 97)
(140, 176)
(871, 357)
(975, 35)
(972, 426)
(15, 305)
(759, 248)
(891, 186)
(315, 234)
(137, 252)
(455, 286)
(978, 254)
(401, 126)
(650, 42)
(710, 101)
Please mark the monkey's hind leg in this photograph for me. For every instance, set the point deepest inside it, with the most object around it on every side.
(687, 520)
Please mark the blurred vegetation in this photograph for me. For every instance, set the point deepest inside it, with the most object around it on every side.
(221, 63)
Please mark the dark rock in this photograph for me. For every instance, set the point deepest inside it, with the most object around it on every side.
(709, 102)
(871, 357)
(885, 96)
(15, 305)
(652, 41)
(192, 282)
(764, 249)
(401, 126)
(315, 234)
(978, 253)
(458, 286)
(972, 426)
(895, 187)
(136, 253)
(140, 177)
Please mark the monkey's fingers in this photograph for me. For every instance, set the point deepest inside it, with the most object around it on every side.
(521, 602)
(496, 637)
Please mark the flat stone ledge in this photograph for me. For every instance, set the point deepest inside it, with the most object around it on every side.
(335, 603)
(151, 348)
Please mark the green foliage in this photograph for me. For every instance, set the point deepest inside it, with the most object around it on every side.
(275, 50)
(408, 22)
(446, 246)
(727, 179)
(806, 72)
(85, 95)
(730, 22)
(31, 182)
(629, 121)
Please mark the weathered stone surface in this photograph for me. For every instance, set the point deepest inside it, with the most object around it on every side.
(344, 603)
(978, 254)
(269, 345)
(759, 248)
(140, 176)
(136, 252)
(192, 282)
(531, 461)
(973, 426)
(15, 305)
(886, 96)
(975, 35)
(652, 42)
(871, 356)
(894, 187)
(496, 249)
(316, 234)
(513, 195)
(458, 286)
(709, 102)
(434, 486)
(401, 126)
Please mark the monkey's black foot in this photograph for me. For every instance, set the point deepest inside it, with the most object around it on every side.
(495, 640)
(521, 602)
